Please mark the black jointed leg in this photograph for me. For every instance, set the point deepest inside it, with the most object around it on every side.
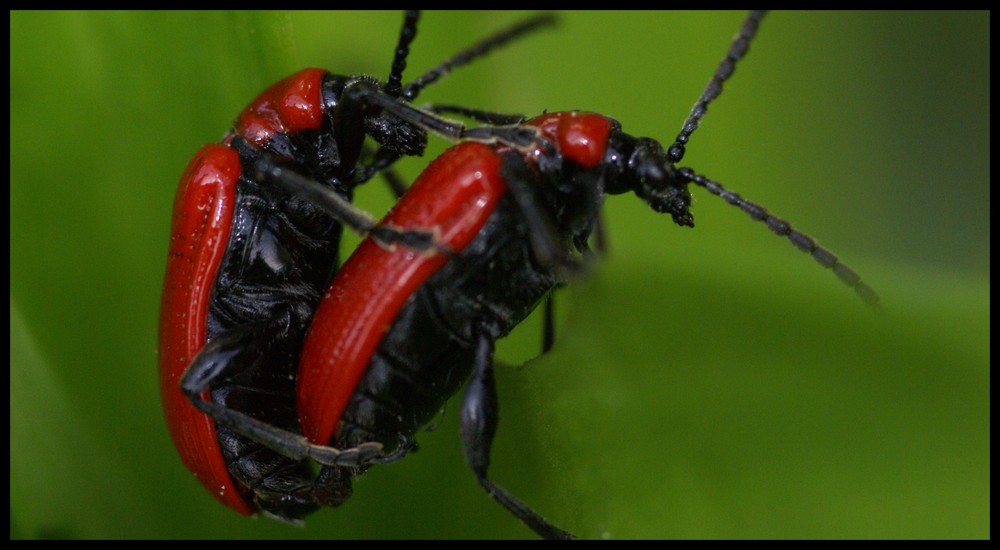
(479, 418)
(224, 357)
(549, 324)
(381, 163)
(342, 210)
(479, 115)
(395, 182)
(513, 136)
(323, 196)
(285, 443)
(543, 232)
(406, 445)
(600, 236)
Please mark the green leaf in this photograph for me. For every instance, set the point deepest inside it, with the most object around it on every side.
(705, 383)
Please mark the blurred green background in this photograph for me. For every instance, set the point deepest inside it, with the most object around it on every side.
(706, 383)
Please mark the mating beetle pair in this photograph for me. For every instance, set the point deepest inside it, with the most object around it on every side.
(250, 259)
(483, 236)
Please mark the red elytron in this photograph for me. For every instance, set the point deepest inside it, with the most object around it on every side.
(453, 198)
(199, 235)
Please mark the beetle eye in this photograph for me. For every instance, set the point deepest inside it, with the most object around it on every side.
(649, 173)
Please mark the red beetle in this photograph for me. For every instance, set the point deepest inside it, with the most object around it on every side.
(400, 329)
(249, 259)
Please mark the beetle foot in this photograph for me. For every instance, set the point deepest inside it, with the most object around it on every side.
(355, 456)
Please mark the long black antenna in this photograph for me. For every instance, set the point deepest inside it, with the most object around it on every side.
(411, 90)
(737, 50)
(781, 227)
(393, 85)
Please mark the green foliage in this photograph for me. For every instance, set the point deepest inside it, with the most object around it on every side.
(705, 383)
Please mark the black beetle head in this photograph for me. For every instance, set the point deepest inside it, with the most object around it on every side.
(640, 165)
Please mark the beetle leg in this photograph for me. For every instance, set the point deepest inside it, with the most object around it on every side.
(406, 445)
(542, 231)
(600, 236)
(479, 115)
(395, 182)
(548, 324)
(331, 487)
(225, 356)
(479, 418)
(381, 162)
(517, 137)
(513, 136)
(342, 210)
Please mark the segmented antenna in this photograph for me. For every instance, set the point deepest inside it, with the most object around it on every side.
(394, 85)
(737, 50)
(800, 240)
(411, 90)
